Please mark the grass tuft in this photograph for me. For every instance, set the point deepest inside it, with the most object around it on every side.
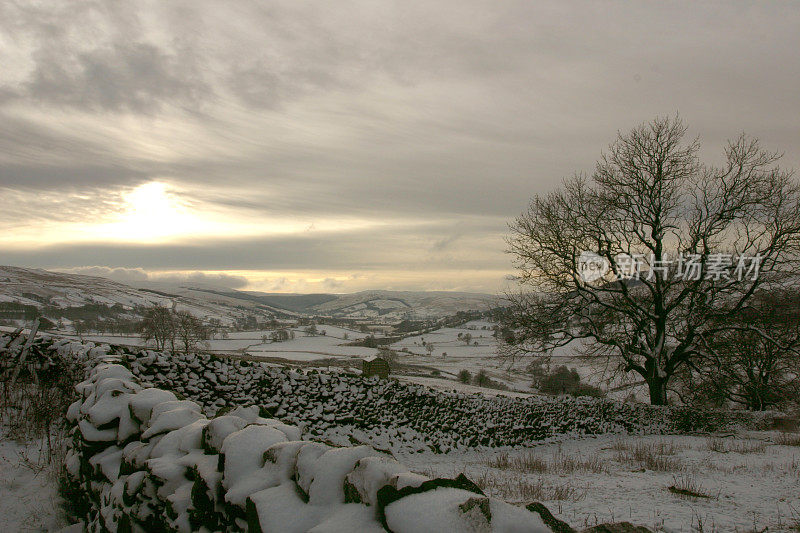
(785, 438)
(526, 490)
(559, 463)
(720, 445)
(650, 455)
(687, 487)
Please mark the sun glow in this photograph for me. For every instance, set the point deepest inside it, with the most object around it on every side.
(154, 212)
(161, 212)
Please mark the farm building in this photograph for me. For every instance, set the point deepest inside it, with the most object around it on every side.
(375, 366)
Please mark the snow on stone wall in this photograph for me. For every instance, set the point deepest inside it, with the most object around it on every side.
(399, 416)
(144, 460)
(390, 415)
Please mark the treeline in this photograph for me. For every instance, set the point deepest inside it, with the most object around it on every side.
(171, 329)
(87, 318)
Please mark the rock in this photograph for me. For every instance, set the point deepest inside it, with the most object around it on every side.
(477, 506)
(551, 521)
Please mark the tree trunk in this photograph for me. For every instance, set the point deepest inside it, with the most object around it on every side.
(658, 390)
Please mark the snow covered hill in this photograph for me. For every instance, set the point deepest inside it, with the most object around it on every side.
(40, 288)
(383, 305)
(54, 290)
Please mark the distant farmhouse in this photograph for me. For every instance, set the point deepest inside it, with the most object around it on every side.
(375, 366)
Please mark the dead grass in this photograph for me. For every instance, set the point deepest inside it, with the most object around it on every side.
(722, 445)
(527, 463)
(792, 467)
(785, 438)
(516, 488)
(33, 413)
(649, 455)
(558, 463)
(526, 490)
(686, 486)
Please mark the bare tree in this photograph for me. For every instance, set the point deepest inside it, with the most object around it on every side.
(189, 330)
(650, 258)
(159, 327)
(80, 328)
(758, 363)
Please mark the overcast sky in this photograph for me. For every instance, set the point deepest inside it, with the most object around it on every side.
(340, 146)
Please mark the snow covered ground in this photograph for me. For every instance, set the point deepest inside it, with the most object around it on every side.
(745, 483)
(450, 355)
(302, 348)
(29, 498)
(742, 483)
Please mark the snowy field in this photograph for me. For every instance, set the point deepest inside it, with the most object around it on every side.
(744, 483)
(302, 348)
(741, 484)
(450, 354)
(29, 498)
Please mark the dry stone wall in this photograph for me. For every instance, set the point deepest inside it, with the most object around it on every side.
(144, 460)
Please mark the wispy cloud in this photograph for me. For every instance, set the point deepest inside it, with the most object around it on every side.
(404, 134)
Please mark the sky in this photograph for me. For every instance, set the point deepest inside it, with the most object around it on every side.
(288, 146)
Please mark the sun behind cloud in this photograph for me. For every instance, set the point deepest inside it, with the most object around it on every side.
(154, 212)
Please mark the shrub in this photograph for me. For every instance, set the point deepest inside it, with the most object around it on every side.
(464, 376)
(481, 379)
(566, 381)
(787, 439)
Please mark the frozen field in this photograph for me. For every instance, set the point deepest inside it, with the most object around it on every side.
(741, 484)
(29, 498)
(450, 355)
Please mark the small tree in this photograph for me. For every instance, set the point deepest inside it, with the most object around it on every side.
(387, 354)
(279, 335)
(464, 376)
(80, 328)
(560, 381)
(757, 364)
(481, 378)
(467, 338)
(537, 371)
(652, 257)
(189, 330)
(159, 326)
(429, 347)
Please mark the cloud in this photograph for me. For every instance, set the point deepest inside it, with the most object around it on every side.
(430, 124)
(124, 275)
(201, 279)
(387, 247)
(131, 77)
(134, 275)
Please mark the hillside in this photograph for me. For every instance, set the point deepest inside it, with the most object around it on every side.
(42, 288)
(377, 304)
(58, 294)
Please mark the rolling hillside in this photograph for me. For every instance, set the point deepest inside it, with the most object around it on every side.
(54, 290)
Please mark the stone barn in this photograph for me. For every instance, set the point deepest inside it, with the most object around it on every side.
(375, 366)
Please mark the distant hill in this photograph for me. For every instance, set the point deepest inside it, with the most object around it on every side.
(405, 304)
(54, 290)
(45, 289)
(369, 304)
